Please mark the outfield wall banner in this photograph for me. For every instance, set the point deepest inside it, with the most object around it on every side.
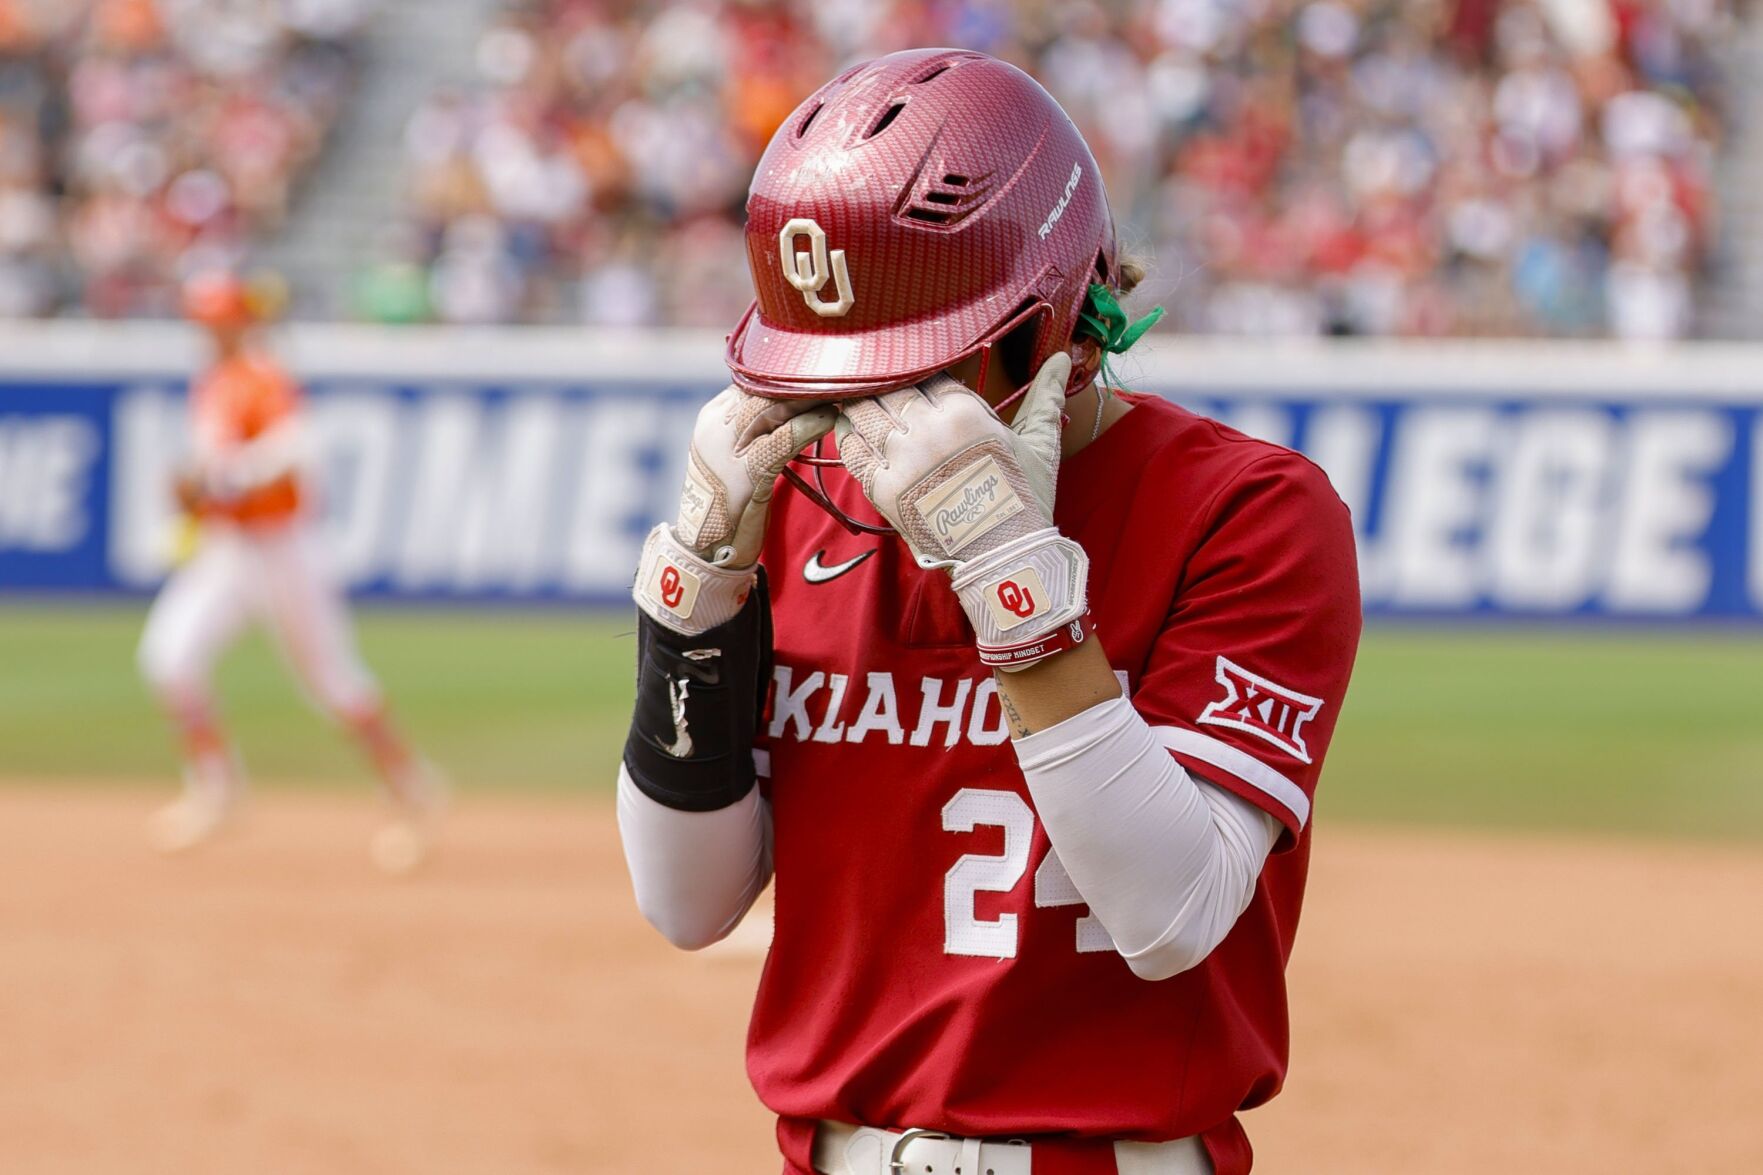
(1524, 481)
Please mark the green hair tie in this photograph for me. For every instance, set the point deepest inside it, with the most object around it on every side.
(1103, 320)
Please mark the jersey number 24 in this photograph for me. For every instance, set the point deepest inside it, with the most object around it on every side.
(964, 932)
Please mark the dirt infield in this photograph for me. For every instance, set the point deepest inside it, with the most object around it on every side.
(1463, 1004)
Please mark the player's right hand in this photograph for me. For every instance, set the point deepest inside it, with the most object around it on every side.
(697, 574)
(740, 446)
(187, 488)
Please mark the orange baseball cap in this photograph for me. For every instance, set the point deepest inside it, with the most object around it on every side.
(218, 299)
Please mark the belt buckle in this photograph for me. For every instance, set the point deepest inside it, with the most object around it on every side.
(897, 1158)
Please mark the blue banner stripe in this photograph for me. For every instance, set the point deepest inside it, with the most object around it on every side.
(1540, 506)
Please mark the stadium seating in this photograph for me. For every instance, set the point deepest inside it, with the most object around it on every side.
(1426, 167)
(141, 138)
(1441, 168)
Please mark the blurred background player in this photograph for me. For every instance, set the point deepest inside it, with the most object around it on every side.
(252, 553)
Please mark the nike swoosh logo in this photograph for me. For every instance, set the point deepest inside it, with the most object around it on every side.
(814, 571)
(677, 690)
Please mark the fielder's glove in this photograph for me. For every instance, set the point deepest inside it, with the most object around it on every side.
(697, 573)
(975, 496)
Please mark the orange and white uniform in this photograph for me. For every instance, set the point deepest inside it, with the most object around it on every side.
(241, 408)
(259, 557)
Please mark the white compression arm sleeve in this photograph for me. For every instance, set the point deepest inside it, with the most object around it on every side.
(696, 873)
(1166, 862)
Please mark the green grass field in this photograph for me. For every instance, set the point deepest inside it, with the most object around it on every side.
(1610, 731)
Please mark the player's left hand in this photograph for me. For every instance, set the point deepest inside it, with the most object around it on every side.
(974, 495)
(895, 443)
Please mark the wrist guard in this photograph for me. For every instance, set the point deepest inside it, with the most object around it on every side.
(698, 707)
(1027, 599)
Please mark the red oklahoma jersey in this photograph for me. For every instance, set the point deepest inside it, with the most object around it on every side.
(933, 965)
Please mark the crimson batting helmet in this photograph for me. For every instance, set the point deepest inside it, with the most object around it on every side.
(916, 210)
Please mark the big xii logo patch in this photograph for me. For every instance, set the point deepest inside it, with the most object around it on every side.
(1265, 709)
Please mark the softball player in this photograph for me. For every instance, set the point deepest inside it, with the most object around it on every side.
(1032, 769)
(258, 558)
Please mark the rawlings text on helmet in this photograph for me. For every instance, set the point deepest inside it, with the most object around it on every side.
(1077, 175)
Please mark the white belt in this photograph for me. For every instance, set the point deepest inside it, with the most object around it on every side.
(860, 1150)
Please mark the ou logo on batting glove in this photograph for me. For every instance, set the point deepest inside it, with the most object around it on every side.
(1017, 600)
(810, 271)
(672, 590)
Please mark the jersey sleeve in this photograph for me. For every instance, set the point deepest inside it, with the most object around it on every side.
(1246, 680)
(272, 398)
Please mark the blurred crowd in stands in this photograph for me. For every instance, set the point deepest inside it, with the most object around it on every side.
(140, 139)
(1388, 167)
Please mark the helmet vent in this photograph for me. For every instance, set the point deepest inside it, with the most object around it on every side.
(939, 68)
(948, 202)
(886, 120)
(802, 127)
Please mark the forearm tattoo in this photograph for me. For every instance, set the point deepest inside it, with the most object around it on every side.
(1018, 728)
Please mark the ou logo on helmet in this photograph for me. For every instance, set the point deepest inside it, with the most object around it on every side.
(810, 271)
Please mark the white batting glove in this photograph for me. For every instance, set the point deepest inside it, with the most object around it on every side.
(696, 574)
(975, 496)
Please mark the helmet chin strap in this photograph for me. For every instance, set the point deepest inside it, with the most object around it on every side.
(813, 458)
(817, 493)
(1082, 379)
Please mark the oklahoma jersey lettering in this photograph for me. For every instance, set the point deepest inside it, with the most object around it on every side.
(925, 929)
